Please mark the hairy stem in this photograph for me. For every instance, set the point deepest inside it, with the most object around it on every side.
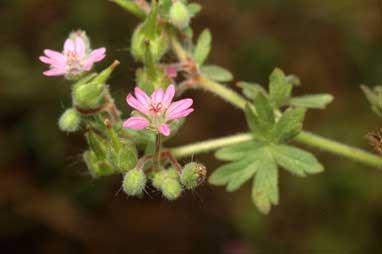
(156, 159)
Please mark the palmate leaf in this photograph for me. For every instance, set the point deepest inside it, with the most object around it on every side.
(247, 160)
(289, 125)
(250, 90)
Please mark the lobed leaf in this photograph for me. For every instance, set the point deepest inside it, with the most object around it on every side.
(264, 109)
(236, 152)
(216, 73)
(295, 160)
(289, 125)
(265, 191)
(280, 88)
(250, 90)
(312, 101)
(203, 47)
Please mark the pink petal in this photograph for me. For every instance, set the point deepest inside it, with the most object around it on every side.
(95, 56)
(51, 61)
(80, 47)
(171, 71)
(180, 114)
(168, 95)
(157, 95)
(134, 103)
(164, 129)
(142, 97)
(54, 55)
(136, 122)
(68, 46)
(178, 107)
(55, 72)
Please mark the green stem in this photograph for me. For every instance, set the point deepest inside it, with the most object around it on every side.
(238, 101)
(209, 145)
(156, 159)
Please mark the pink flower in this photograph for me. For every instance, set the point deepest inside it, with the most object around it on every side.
(157, 111)
(76, 57)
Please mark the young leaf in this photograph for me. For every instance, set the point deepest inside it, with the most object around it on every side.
(131, 7)
(289, 125)
(312, 101)
(250, 90)
(264, 109)
(203, 47)
(216, 73)
(295, 160)
(194, 9)
(265, 186)
(280, 88)
(261, 130)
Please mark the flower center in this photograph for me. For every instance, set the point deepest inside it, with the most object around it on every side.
(72, 56)
(156, 108)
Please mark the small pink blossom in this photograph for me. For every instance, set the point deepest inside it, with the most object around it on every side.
(158, 110)
(75, 59)
(172, 71)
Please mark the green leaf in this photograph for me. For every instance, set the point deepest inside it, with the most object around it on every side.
(264, 109)
(203, 47)
(216, 73)
(235, 174)
(131, 7)
(374, 97)
(223, 174)
(289, 125)
(260, 130)
(312, 101)
(236, 152)
(194, 9)
(280, 88)
(265, 190)
(295, 160)
(250, 90)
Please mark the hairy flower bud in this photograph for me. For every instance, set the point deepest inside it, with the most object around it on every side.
(88, 96)
(134, 182)
(125, 159)
(70, 120)
(179, 15)
(96, 167)
(161, 176)
(193, 174)
(139, 44)
(171, 188)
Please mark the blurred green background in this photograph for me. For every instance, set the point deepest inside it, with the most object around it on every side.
(49, 203)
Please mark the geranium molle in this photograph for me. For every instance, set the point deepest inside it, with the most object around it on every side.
(158, 110)
(75, 59)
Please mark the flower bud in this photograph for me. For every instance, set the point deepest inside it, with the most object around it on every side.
(161, 176)
(171, 188)
(179, 15)
(125, 159)
(70, 120)
(157, 47)
(134, 182)
(96, 167)
(88, 96)
(193, 174)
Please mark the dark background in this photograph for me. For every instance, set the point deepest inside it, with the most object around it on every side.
(49, 203)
